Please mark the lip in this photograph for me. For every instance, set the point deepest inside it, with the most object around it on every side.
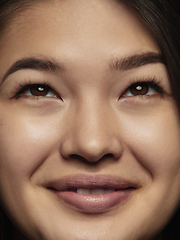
(65, 190)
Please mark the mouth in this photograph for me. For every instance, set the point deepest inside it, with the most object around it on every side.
(92, 194)
(92, 191)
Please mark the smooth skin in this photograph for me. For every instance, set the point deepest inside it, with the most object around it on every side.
(90, 123)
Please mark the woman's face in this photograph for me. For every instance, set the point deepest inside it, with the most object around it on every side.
(96, 154)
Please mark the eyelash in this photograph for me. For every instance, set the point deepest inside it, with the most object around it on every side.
(23, 87)
(152, 83)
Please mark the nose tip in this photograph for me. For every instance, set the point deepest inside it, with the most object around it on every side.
(93, 133)
(94, 150)
(91, 149)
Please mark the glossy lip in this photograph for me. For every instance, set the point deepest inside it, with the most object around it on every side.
(93, 203)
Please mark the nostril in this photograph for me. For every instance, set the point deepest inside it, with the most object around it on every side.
(77, 157)
(83, 159)
(51, 188)
(107, 156)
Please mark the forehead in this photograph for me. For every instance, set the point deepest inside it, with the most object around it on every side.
(71, 29)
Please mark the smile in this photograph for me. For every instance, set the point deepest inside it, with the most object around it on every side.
(92, 191)
(92, 194)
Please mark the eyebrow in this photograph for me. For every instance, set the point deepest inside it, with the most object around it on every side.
(137, 60)
(43, 64)
(40, 64)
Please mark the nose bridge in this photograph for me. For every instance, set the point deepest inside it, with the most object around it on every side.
(93, 125)
(92, 135)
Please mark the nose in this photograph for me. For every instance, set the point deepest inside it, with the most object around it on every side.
(92, 135)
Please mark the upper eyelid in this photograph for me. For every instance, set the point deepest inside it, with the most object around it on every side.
(152, 83)
(27, 88)
(148, 80)
(29, 82)
(144, 79)
(26, 83)
(21, 88)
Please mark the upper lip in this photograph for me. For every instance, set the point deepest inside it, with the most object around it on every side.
(91, 181)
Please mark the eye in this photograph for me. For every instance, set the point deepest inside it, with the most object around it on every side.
(37, 90)
(142, 88)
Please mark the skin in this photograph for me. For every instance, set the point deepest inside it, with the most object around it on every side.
(138, 135)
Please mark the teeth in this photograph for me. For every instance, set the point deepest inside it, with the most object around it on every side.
(84, 191)
(97, 191)
(94, 191)
(109, 190)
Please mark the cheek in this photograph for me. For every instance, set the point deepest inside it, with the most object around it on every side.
(155, 141)
(25, 142)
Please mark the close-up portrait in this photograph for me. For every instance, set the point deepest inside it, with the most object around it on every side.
(89, 119)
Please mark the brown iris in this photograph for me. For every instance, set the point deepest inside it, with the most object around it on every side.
(39, 90)
(139, 89)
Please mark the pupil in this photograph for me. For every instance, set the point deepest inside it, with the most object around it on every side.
(37, 90)
(139, 89)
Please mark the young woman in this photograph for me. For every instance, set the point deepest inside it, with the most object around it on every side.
(89, 120)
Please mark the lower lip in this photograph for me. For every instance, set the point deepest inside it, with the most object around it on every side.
(94, 203)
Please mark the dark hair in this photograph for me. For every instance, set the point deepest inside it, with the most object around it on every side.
(162, 18)
(5, 226)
